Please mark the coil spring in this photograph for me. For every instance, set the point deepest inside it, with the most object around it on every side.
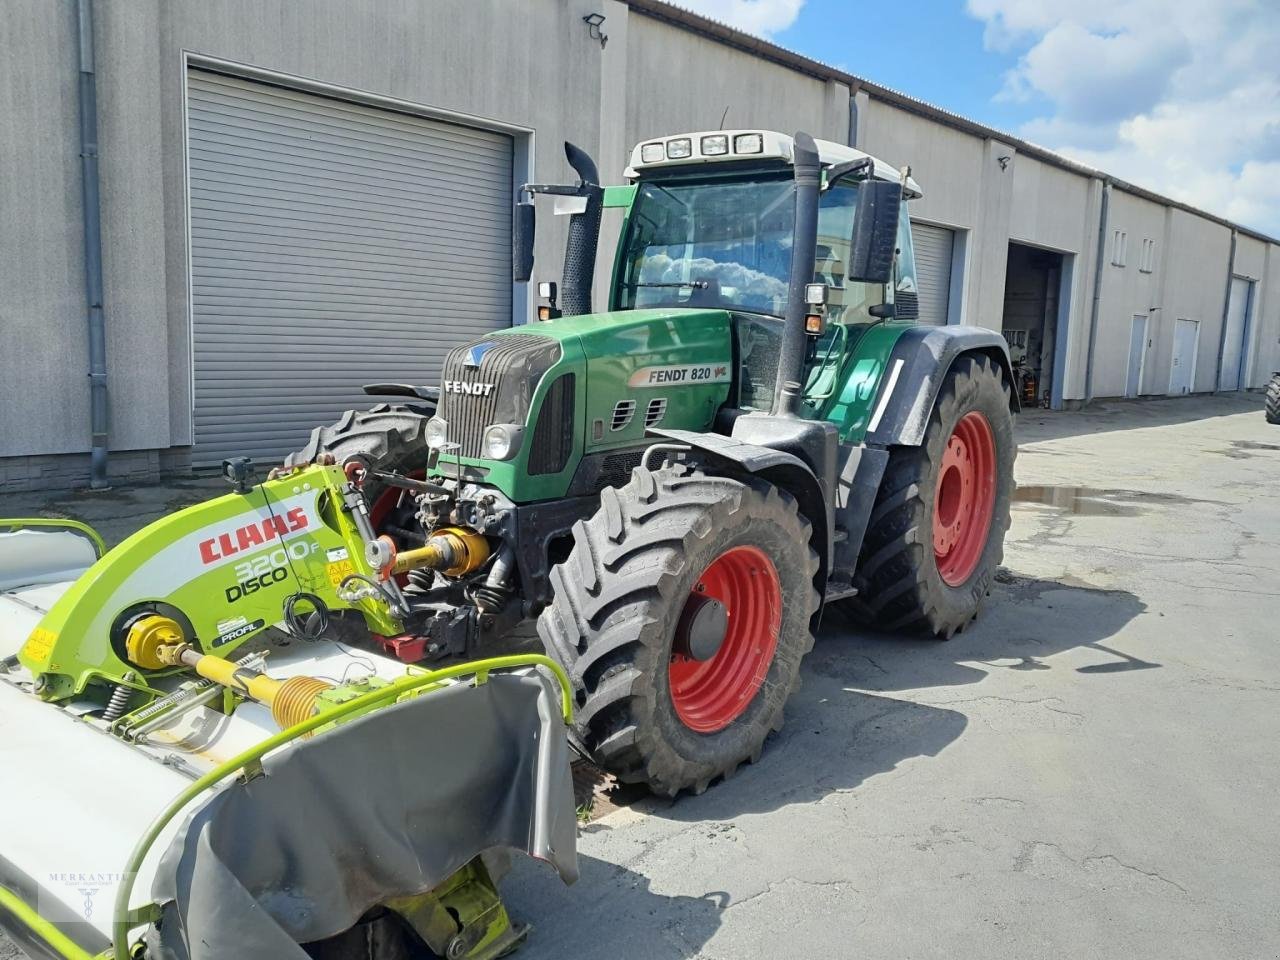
(422, 579)
(119, 700)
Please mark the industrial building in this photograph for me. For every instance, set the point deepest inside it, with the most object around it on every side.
(297, 198)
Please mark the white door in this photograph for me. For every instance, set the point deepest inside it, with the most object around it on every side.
(1137, 355)
(933, 247)
(1234, 338)
(1182, 375)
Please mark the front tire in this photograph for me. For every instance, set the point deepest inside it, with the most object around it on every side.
(1273, 399)
(936, 534)
(388, 437)
(682, 615)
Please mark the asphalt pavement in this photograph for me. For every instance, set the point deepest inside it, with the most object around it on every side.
(1089, 771)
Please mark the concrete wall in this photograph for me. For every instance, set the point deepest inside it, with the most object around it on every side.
(44, 358)
(531, 66)
(1128, 291)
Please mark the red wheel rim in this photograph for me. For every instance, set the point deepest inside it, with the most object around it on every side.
(709, 695)
(964, 499)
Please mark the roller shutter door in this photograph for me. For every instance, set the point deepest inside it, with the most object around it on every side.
(332, 244)
(933, 247)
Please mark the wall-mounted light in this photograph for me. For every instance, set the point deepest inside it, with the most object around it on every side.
(1004, 161)
(594, 21)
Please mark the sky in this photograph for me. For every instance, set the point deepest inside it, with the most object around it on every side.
(1178, 96)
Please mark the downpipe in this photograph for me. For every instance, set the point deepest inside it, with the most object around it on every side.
(795, 342)
(88, 87)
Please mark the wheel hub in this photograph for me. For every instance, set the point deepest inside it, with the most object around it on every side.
(725, 639)
(702, 628)
(964, 498)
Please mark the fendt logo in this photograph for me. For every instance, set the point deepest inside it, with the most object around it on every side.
(474, 389)
(251, 535)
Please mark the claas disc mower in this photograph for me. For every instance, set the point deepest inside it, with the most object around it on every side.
(263, 713)
(195, 767)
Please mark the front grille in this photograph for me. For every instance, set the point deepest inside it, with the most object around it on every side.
(512, 364)
(553, 435)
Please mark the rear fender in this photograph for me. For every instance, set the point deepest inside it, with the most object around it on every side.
(917, 366)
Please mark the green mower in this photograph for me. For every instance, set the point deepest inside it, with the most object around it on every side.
(257, 727)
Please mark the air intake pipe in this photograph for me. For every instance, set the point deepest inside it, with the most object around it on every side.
(808, 176)
(584, 236)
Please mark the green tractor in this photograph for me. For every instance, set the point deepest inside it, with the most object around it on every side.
(675, 487)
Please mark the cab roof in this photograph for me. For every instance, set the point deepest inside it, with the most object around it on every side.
(728, 146)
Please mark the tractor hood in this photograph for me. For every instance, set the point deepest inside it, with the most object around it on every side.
(576, 389)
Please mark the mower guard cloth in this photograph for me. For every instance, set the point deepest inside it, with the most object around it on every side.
(386, 805)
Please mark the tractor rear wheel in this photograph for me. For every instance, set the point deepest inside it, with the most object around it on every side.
(388, 437)
(1273, 399)
(682, 615)
(936, 532)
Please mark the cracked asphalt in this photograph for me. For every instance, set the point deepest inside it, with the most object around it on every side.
(1089, 771)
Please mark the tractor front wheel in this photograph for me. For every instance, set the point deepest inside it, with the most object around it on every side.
(1273, 399)
(682, 615)
(936, 533)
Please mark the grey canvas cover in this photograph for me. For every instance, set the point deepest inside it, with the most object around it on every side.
(390, 804)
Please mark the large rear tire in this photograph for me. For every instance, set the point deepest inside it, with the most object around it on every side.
(936, 534)
(1273, 399)
(388, 437)
(682, 615)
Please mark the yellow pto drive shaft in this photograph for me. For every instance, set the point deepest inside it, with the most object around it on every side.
(156, 642)
(451, 550)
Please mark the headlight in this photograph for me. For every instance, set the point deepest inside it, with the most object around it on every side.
(748, 143)
(679, 148)
(501, 441)
(437, 432)
(715, 145)
(651, 153)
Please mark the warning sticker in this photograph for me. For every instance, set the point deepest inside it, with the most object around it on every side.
(40, 644)
(339, 571)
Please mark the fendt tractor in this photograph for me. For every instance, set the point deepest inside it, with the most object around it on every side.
(676, 486)
(254, 729)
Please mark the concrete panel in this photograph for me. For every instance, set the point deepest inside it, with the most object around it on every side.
(44, 358)
(1129, 290)
(1267, 343)
(1049, 205)
(1195, 288)
(947, 163)
(133, 221)
(678, 80)
(1252, 256)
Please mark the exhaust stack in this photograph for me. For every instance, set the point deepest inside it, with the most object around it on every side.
(808, 176)
(584, 236)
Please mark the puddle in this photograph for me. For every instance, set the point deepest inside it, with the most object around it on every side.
(1092, 501)
(1248, 445)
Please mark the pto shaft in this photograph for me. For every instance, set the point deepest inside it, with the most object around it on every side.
(291, 701)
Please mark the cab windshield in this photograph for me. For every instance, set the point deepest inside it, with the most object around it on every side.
(726, 243)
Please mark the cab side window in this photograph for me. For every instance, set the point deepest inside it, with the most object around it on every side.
(904, 272)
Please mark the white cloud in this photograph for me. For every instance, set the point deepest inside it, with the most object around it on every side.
(761, 17)
(1180, 96)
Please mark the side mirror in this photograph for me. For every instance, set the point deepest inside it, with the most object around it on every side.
(522, 230)
(875, 231)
